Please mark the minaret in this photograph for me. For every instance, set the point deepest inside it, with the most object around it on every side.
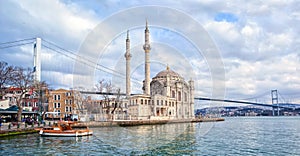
(128, 57)
(147, 49)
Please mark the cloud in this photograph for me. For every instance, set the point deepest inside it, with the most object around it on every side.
(257, 40)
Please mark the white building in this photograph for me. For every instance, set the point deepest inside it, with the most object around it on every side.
(4, 104)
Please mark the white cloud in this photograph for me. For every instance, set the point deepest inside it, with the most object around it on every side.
(225, 31)
(260, 49)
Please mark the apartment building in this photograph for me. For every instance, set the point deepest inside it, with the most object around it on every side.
(62, 104)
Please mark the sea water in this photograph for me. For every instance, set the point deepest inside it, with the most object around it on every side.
(234, 136)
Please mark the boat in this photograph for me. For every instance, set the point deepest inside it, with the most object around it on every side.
(66, 129)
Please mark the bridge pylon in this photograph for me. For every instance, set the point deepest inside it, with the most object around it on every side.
(274, 95)
(37, 60)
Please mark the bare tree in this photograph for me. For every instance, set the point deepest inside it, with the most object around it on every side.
(5, 76)
(106, 88)
(117, 101)
(22, 79)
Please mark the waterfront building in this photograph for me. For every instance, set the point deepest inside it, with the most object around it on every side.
(4, 104)
(166, 96)
(63, 103)
(29, 99)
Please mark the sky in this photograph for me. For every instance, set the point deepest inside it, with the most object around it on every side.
(231, 49)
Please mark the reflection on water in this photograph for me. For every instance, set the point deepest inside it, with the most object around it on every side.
(234, 136)
(143, 138)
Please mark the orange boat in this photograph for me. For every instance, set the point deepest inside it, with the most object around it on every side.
(66, 129)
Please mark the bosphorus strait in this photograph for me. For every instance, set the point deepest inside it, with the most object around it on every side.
(234, 136)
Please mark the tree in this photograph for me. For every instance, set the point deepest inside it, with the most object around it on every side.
(117, 101)
(22, 79)
(5, 76)
(107, 89)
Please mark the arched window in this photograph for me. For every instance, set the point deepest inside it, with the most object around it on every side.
(179, 96)
(173, 94)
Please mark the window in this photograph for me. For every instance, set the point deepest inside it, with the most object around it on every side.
(185, 96)
(58, 105)
(141, 101)
(145, 102)
(56, 97)
(162, 102)
(70, 102)
(166, 103)
(179, 96)
(55, 105)
(157, 102)
(66, 101)
(173, 94)
(68, 94)
(70, 109)
(67, 109)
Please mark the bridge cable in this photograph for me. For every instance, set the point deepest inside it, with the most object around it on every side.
(87, 60)
(20, 44)
(17, 41)
(257, 96)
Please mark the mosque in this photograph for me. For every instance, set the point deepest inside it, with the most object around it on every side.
(166, 96)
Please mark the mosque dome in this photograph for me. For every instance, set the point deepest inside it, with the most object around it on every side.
(168, 71)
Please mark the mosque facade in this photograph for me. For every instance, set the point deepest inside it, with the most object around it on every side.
(166, 96)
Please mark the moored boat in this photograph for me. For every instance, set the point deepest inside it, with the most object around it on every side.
(66, 129)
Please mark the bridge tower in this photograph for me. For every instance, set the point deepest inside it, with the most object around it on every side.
(37, 60)
(274, 95)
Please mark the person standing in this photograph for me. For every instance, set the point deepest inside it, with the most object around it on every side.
(0, 122)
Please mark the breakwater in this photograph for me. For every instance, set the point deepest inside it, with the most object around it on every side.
(146, 122)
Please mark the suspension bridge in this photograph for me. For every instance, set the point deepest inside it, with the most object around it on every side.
(39, 43)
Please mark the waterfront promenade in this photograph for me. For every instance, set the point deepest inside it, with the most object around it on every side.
(9, 129)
